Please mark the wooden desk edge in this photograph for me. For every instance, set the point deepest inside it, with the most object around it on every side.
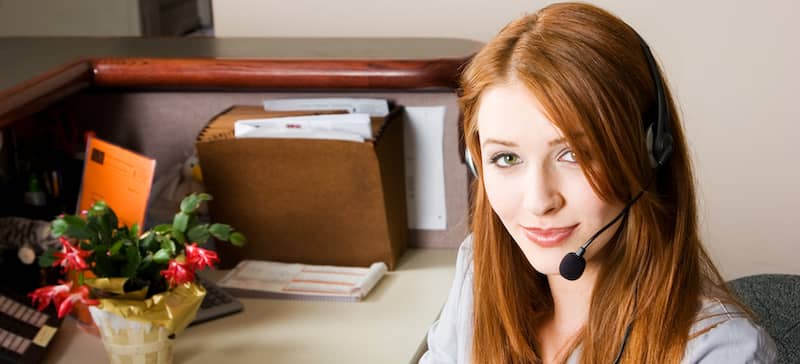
(206, 74)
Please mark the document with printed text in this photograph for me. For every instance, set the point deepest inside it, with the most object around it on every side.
(266, 279)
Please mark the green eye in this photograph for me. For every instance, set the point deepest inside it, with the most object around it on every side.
(505, 160)
(568, 156)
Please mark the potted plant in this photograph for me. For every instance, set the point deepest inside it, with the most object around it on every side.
(139, 285)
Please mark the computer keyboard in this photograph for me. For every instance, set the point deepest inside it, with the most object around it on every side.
(25, 333)
(217, 303)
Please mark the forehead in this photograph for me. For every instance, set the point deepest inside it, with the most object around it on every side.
(511, 112)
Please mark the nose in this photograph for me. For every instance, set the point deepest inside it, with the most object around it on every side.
(542, 194)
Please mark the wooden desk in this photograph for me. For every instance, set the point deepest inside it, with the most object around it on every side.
(387, 327)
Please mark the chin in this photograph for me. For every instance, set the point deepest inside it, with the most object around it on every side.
(545, 261)
(548, 270)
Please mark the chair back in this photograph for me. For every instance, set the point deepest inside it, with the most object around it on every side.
(775, 299)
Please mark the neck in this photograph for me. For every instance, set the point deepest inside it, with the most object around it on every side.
(571, 299)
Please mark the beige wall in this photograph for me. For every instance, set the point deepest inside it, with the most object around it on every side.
(733, 66)
(72, 17)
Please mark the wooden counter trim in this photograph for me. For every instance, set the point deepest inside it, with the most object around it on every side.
(276, 74)
(39, 92)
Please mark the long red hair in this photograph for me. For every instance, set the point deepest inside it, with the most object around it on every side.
(587, 69)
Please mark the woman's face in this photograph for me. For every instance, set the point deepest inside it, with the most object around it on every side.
(534, 182)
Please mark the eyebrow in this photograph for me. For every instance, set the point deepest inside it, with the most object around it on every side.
(551, 143)
(500, 142)
(562, 140)
(558, 141)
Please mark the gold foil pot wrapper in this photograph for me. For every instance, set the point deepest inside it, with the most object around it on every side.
(173, 309)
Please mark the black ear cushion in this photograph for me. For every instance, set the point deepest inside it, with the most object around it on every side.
(663, 147)
(659, 140)
(649, 136)
(659, 145)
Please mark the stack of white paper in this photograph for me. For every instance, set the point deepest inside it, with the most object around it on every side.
(352, 127)
(373, 107)
(259, 278)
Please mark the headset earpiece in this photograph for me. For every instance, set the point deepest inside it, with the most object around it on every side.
(664, 148)
(657, 135)
(470, 163)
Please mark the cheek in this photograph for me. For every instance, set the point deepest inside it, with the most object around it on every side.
(595, 212)
(503, 195)
(591, 201)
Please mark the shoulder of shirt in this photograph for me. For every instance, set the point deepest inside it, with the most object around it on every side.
(465, 256)
(714, 313)
(723, 330)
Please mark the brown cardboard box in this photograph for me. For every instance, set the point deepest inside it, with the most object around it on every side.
(307, 200)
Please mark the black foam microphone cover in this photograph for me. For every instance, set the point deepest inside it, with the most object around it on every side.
(572, 266)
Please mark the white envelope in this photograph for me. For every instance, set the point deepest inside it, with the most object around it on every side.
(373, 107)
(358, 124)
(301, 134)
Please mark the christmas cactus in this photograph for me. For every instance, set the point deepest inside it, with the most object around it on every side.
(155, 261)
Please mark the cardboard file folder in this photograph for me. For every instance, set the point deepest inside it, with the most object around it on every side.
(307, 201)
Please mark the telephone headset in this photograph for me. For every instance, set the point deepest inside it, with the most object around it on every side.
(659, 146)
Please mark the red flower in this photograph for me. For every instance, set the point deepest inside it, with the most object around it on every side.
(61, 295)
(80, 294)
(178, 273)
(71, 257)
(48, 294)
(199, 258)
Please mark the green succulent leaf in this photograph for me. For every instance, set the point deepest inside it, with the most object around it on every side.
(110, 219)
(104, 266)
(146, 261)
(192, 202)
(100, 248)
(179, 237)
(58, 227)
(168, 245)
(199, 234)
(98, 208)
(115, 247)
(180, 222)
(163, 228)
(133, 258)
(148, 241)
(161, 256)
(220, 231)
(76, 227)
(238, 239)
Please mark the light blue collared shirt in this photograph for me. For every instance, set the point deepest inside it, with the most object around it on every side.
(732, 337)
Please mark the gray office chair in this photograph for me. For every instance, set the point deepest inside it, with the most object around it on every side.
(775, 299)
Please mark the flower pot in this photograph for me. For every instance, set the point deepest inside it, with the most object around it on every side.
(130, 341)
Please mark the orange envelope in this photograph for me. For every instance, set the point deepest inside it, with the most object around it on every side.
(119, 177)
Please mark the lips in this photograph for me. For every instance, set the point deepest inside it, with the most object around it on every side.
(548, 238)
